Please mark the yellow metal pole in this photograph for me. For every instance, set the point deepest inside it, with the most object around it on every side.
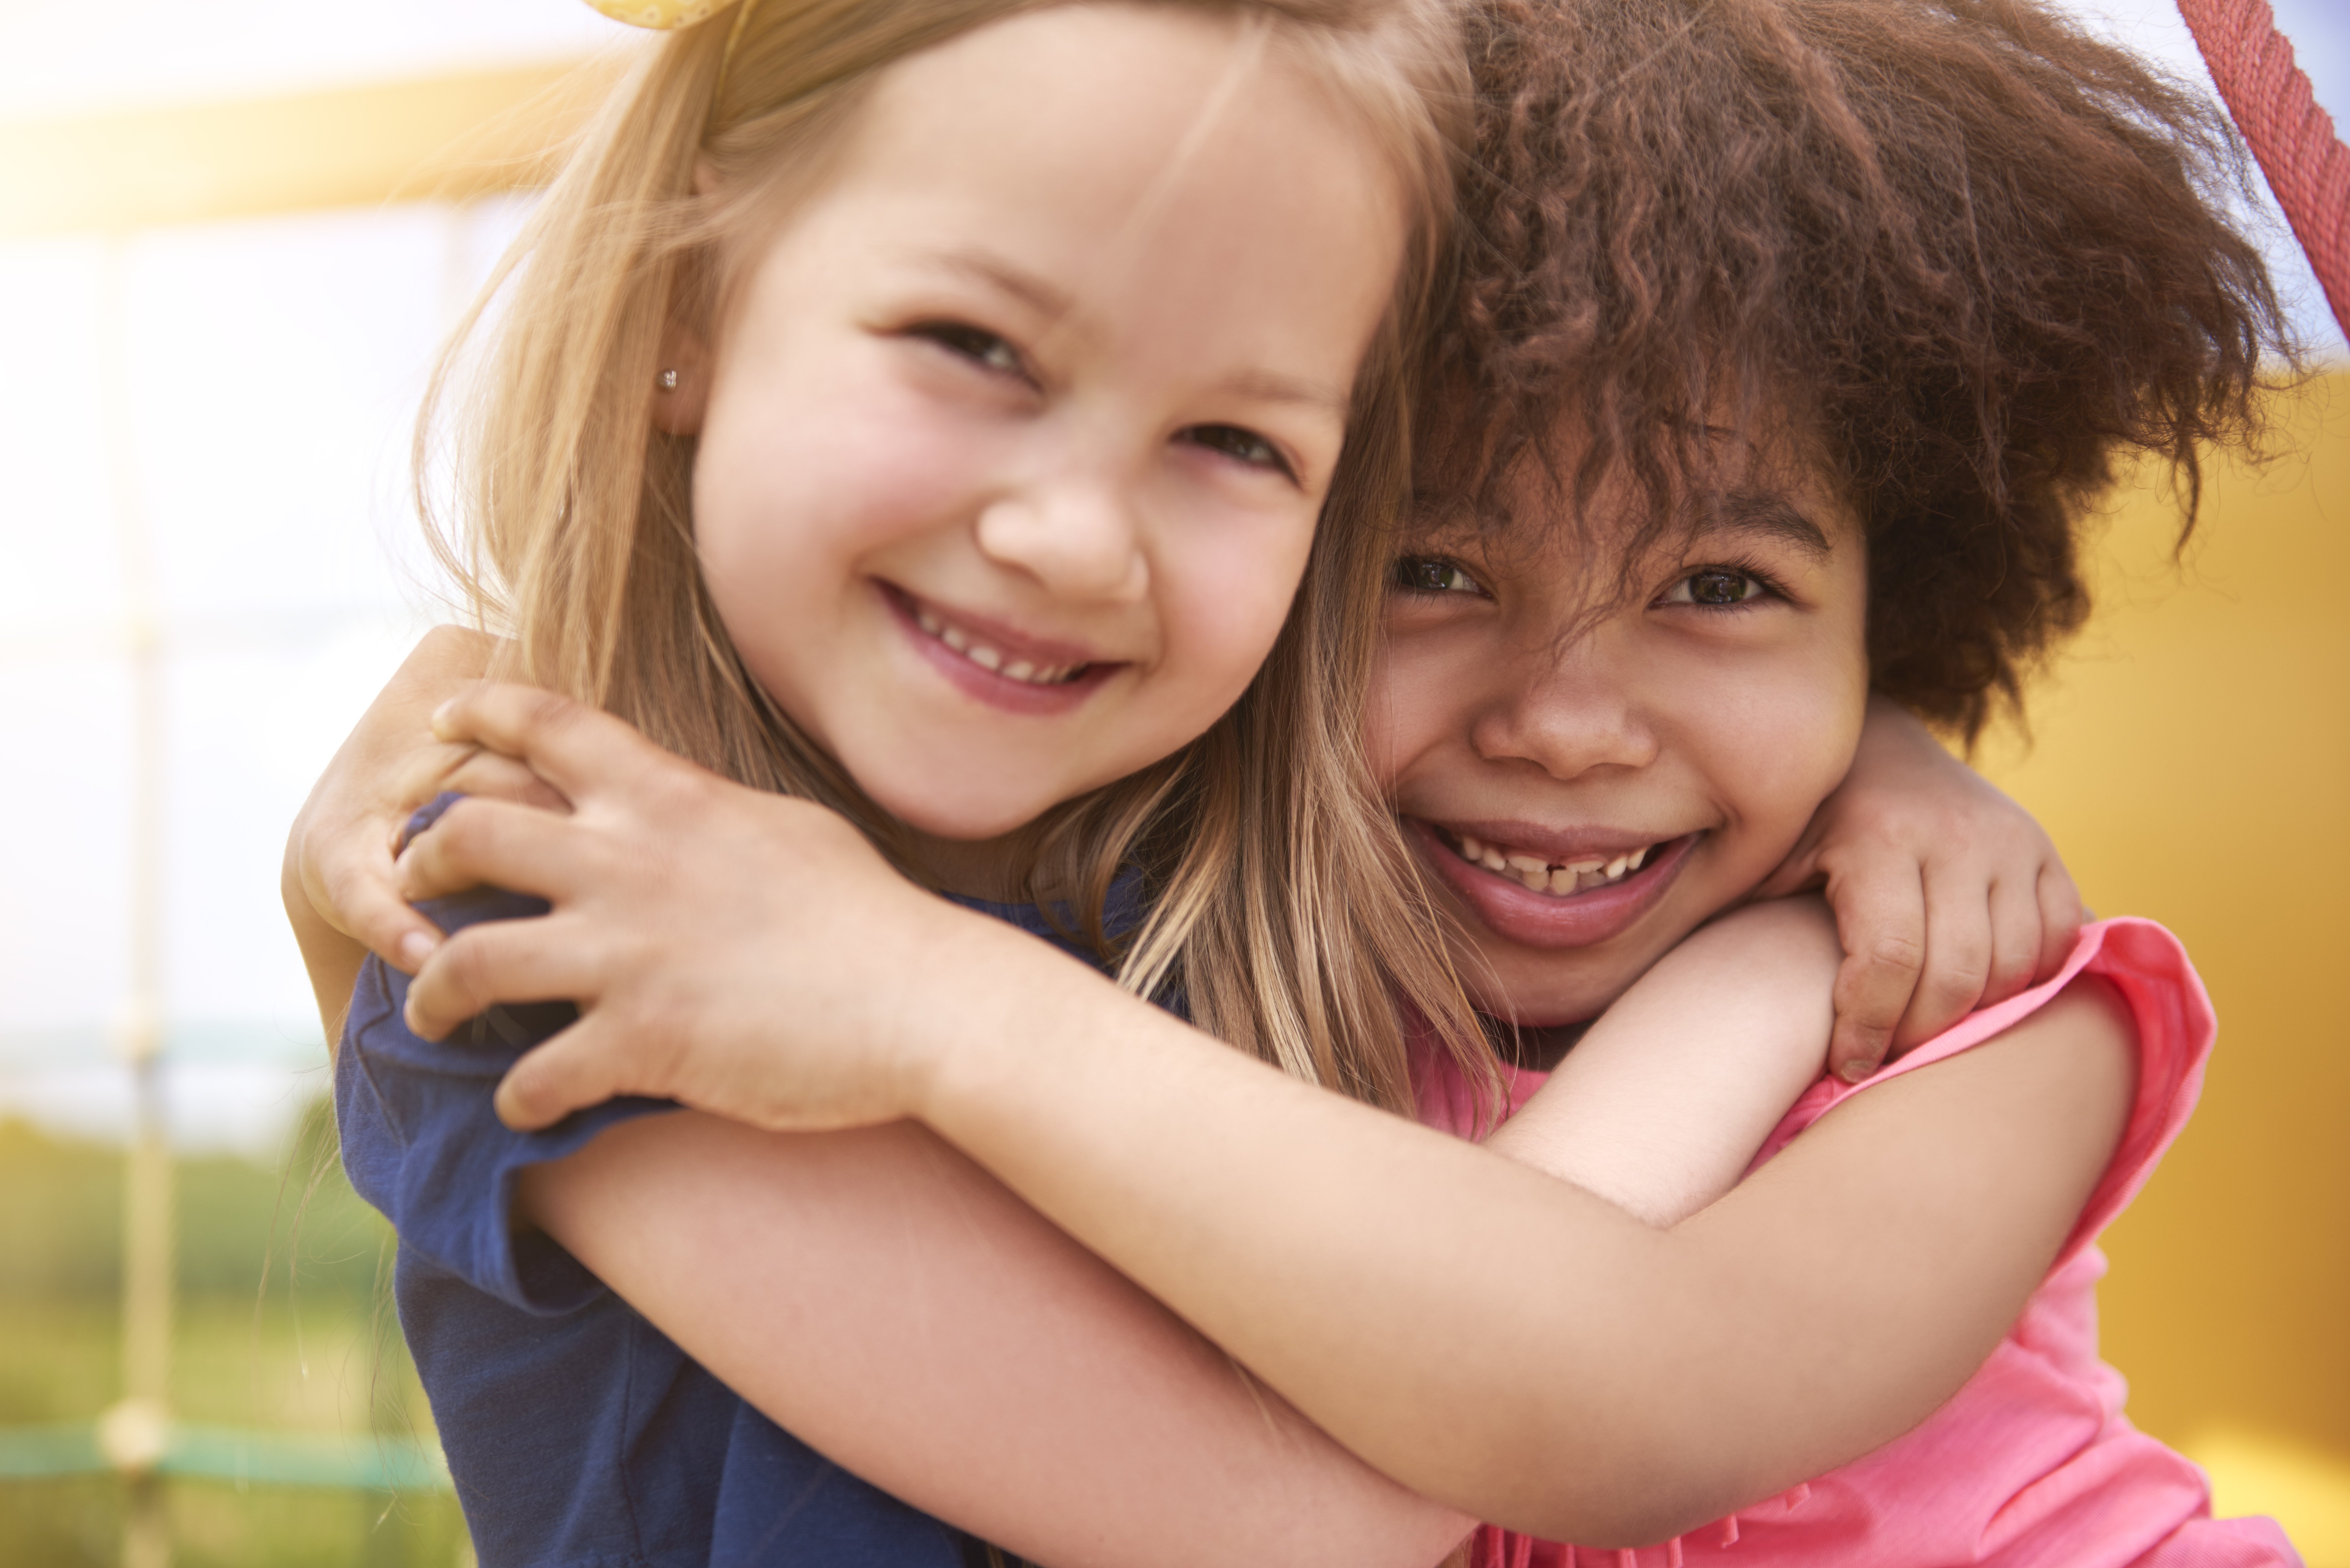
(135, 1432)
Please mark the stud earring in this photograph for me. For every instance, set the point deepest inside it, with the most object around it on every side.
(668, 380)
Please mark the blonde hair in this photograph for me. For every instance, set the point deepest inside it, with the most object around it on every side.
(1283, 902)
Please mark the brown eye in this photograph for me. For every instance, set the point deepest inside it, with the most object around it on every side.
(1721, 587)
(1427, 575)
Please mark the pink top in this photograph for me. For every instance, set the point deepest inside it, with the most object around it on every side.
(2031, 1462)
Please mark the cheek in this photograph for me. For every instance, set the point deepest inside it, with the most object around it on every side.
(1407, 706)
(1226, 595)
(1789, 746)
(802, 470)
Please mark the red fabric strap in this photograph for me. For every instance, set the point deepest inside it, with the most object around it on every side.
(2307, 166)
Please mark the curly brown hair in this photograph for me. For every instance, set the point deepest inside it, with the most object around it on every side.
(1974, 253)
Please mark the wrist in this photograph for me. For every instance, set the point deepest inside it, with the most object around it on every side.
(1028, 1019)
(942, 1031)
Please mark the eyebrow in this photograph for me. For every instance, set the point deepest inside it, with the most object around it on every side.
(1767, 515)
(1271, 387)
(1024, 285)
(1053, 303)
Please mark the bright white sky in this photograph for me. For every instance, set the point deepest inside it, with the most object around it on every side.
(64, 58)
(272, 368)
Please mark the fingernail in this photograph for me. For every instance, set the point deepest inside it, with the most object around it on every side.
(440, 719)
(1854, 1071)
(414, 949)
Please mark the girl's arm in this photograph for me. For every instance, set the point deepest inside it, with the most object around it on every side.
(896, 1307)
(1505, 1343)
(1662, 1104)
(1489, 1336)
(891, 1304)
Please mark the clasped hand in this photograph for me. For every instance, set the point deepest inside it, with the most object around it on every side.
(741, 952)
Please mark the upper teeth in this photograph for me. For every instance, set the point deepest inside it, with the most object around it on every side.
(987, 658)
(1542, 877)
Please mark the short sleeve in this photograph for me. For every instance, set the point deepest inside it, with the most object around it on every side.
(423, 1144)
(2175, 1028)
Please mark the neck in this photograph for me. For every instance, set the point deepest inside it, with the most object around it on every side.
(1541, 1047)
(988, 868)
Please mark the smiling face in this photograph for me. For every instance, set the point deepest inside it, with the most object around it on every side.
(1587, 786)
(1016, 433)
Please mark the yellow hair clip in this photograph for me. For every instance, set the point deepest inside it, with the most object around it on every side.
(661, 15)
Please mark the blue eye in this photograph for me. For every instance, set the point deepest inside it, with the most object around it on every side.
(1430, 575)
(1240, 445)
(983, 347)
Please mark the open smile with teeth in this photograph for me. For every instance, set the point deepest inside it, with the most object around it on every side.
(987, 658)
(1542, 875)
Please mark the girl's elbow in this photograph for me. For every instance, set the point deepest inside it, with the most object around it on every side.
(1404, 1531)
(1612, 1488)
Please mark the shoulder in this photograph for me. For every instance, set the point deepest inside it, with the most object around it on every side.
(2121, 1034)
(423, 1143)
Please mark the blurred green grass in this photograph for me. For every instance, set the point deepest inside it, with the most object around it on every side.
(284, 1323)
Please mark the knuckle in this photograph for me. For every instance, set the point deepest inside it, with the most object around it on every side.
(673, 790)
(1953, 987)
(465, 833)
(547, 711)
(1960, 959)
(1947, 994)
(1862, 1031)
(2013, 967)
(466, 973)
(1863, 997)
(1895, 952)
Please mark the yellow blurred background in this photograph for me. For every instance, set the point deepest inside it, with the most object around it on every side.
(2190, 754)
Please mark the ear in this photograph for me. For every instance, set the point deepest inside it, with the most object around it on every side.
(685, 352)
(685, 355)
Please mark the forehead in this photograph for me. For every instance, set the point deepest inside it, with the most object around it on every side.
(1126, 168)
(1143, 127)
(1707, 485)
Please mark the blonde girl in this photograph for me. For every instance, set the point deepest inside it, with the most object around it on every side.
(927, 410)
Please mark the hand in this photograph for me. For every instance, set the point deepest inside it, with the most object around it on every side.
(1947, 895)
(339, 852)
(741, 952)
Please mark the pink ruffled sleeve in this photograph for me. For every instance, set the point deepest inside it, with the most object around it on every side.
(2176, 1027)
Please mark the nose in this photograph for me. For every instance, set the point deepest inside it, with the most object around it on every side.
(1567, 710)
(1079, 537)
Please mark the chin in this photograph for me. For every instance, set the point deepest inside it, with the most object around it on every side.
(1541, 1006)
(1538, 988)
(965, 819)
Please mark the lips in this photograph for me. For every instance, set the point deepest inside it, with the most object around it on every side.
(1563, 876)
(1548, 890)
(998, 667)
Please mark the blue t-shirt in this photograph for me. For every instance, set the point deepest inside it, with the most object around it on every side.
(577, 1434)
